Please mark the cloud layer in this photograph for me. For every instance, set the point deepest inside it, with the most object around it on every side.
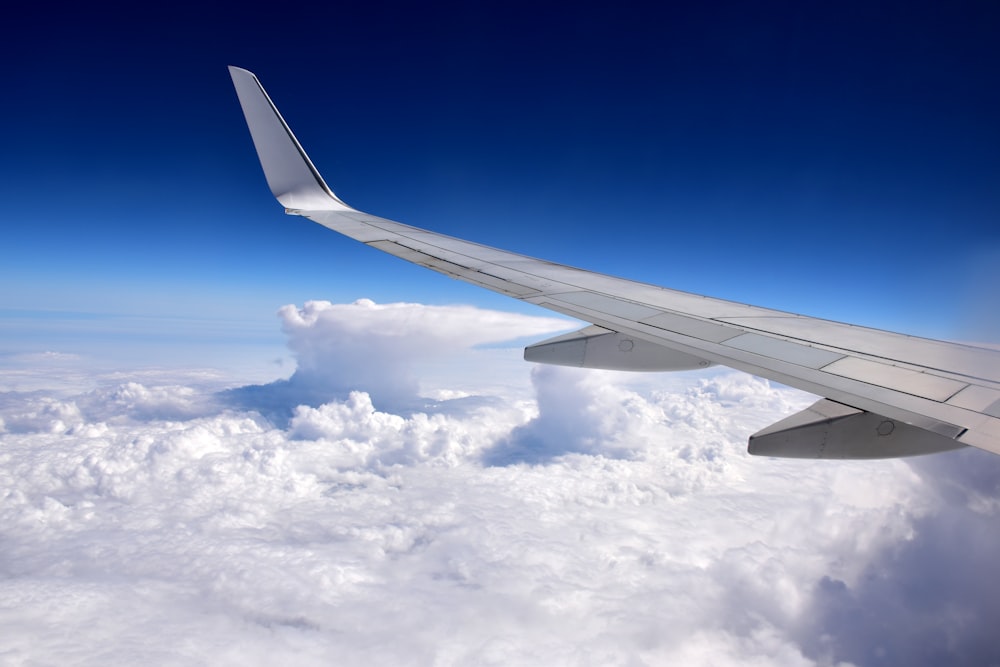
(596, 524)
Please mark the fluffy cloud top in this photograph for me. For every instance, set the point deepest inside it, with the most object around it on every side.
(596, 525)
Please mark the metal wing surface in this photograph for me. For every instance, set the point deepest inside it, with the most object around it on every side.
(886, 394)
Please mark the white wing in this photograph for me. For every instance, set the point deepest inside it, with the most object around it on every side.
(887, 394)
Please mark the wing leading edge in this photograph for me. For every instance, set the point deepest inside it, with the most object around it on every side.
(886, 394)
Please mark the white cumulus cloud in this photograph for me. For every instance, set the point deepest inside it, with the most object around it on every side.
(595, 522)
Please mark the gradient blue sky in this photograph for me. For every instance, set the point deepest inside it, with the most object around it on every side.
(841, 160)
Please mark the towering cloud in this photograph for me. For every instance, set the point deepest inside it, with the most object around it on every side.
(365, 346)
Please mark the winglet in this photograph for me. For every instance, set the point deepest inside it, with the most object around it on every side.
(290, 173)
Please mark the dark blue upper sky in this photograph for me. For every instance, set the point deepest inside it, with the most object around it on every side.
(837, 159)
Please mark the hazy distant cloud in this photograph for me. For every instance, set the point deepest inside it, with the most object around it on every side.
(928, 599)
(40, 414)
(144, 403)
(599, 524)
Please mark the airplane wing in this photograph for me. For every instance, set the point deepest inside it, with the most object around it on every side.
(886, 394)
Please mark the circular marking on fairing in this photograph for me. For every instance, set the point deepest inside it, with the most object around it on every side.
(626, 345)
(885, 428)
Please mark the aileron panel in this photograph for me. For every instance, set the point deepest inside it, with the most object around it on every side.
(980, 399)
(605, 304)
(690, 326)
(903, 380)
(776, 348)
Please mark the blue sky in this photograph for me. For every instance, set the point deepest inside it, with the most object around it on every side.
(837, 160)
